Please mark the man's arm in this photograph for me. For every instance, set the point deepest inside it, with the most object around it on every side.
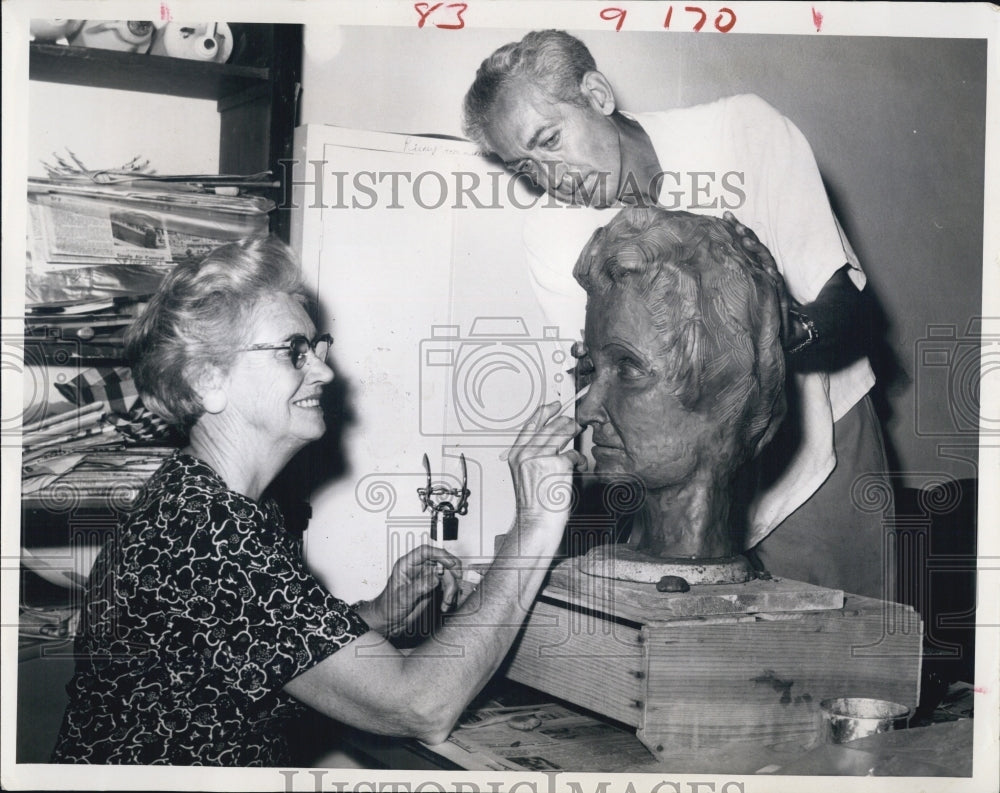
(829, 332)
(823, 335)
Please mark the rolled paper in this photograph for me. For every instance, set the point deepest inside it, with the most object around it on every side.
(123, 35)
(54, 29)
(202, 42)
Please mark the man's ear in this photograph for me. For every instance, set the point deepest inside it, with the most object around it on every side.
(598, 91)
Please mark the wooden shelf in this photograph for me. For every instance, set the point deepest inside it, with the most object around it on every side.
(131, 71)
(256, 94)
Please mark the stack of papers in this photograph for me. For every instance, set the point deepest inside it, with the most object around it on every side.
(117, 474)
(78, 224)
(73, 429)
(84, 330)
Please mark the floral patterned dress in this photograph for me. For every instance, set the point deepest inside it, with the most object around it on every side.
(198, 611)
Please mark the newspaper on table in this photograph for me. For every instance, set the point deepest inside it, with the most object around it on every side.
(544, 737)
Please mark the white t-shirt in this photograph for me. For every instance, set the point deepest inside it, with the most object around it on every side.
(737, 154)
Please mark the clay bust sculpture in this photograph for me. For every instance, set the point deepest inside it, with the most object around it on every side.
(683, 354)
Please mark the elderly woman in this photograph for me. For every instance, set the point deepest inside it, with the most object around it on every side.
(683, 355)
(203, 632)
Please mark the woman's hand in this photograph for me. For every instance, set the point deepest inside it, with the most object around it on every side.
(414, 578)
(541, 471)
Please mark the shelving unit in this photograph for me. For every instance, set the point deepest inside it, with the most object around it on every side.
(256, 95)
(129, 71)
(256, 92)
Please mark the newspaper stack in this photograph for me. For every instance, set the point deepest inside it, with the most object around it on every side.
(90, 225)
(101, 437)
(90, 240)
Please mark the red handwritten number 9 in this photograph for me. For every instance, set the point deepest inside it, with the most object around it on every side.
(614, 13)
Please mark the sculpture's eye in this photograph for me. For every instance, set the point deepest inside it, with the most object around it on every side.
(630, 369)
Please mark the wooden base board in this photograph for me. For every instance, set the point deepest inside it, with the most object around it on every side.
(622, 563)
(699, 676)
(641, 603)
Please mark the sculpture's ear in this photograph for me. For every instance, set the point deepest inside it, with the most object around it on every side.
(771, 366)
(778, 411)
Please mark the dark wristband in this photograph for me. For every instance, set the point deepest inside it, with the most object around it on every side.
(804, 334)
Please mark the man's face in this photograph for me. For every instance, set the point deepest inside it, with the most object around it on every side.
(640, 427)
(570, 151)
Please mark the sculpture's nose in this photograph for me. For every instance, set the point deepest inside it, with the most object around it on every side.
(590, 409)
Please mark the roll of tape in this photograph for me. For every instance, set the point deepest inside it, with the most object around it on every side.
(124, 36)
(54, 29)
(202, 42)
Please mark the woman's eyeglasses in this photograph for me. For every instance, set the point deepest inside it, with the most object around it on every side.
(298, 348)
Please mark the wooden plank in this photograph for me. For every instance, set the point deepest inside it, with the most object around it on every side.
(582, 658)
(130, 71)
(641, 603)
(762, 682)
(716, 680)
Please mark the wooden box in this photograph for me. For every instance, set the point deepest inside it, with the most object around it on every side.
(718, 665)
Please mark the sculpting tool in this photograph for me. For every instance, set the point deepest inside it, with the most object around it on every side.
(562, 409)
(576, 398)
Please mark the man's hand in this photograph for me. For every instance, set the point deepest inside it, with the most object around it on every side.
(823, 335)
(762, 257)
(407, 593)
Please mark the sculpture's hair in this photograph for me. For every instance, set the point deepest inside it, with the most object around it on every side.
(716, 309)
(200, 316)
(551, 60)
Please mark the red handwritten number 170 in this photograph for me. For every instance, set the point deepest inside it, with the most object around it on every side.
(725, 20)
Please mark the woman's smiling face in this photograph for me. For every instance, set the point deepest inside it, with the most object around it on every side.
(266, 394)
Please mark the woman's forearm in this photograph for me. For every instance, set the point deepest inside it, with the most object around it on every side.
(370, 684)
(450, 668)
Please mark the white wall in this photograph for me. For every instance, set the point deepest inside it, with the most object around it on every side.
(441, 349)
(105, 128)
(897, 126)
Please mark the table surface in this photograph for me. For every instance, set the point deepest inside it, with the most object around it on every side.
(548, 735)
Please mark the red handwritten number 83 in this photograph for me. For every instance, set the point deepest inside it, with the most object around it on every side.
(455, 22)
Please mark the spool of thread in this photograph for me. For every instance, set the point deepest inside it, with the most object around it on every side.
(124, 36)
(54, 29)
(202, 42)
